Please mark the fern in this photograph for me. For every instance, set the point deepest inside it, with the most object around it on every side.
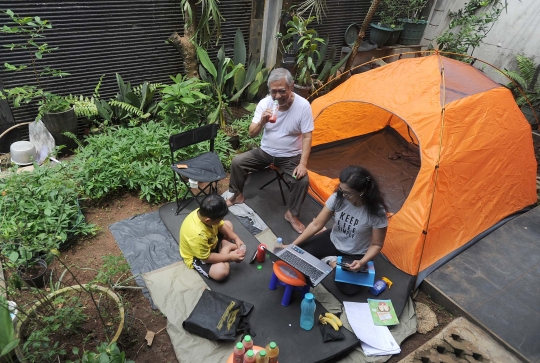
(98, 85)
(84, 106)
(127, 107)
(151, 86)
(526, 79)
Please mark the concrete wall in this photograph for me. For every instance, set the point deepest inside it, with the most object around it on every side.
(516, 31)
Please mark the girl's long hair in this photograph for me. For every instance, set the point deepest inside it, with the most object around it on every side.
(361, 180)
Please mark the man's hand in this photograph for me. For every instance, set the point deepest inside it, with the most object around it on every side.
(300, 171)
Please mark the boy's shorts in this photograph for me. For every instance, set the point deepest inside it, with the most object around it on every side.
(204, 268)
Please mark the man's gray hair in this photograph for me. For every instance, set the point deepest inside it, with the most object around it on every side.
(278, 74)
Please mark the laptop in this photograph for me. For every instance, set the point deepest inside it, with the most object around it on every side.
(313, 269)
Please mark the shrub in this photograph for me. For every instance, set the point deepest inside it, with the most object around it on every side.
(137, 159)
(39, 212)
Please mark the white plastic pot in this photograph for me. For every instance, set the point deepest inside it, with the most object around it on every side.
(23, 152)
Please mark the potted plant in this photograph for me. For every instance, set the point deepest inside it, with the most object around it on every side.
(527, 79)
(308, 53)
(413, 25)
(55, 111)
(288, 52)
(388, 29)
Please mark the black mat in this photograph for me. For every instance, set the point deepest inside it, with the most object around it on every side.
(268, 205)
(269, 319)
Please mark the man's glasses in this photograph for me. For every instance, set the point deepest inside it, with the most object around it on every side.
(347, 195)
(282, 92)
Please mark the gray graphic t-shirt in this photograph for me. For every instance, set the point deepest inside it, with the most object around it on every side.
(352, 229)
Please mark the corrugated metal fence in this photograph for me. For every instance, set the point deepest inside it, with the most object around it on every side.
(107, 37)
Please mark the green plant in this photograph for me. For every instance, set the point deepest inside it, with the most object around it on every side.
(246, 83)
(390, 13)
(7, 338)
(183, 102)
(113, 273)
(29, 31)
(527, 79)
(106, 353)
(130, 103)
(39, 346)
(414, 8)
(469, 26)
(241, 127)
(319, 6)
(220, 72)
(308, 51)
(39, 212)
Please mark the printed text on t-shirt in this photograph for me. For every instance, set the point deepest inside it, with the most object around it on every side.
(346, 224)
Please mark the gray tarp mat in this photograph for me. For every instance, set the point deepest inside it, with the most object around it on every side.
(146, 244)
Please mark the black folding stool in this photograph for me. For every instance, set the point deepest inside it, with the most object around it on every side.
(279, 178)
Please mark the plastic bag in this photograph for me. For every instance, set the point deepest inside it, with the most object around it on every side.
(329, 334)
(218, 317)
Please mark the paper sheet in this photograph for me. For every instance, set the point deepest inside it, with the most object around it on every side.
(378, 337)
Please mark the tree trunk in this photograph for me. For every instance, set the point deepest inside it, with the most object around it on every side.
(361, 34)
(184, 44)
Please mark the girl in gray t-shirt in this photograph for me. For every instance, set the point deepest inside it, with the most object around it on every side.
(360, 223)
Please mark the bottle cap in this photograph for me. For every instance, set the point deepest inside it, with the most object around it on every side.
(250, 353)
(247, 338)
(239, 345)
(309, 296)
(279, 240)
(273, 345)
(262, 353)
(259, 267)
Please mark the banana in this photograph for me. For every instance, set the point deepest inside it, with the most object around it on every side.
(324, 320)
(334, 318)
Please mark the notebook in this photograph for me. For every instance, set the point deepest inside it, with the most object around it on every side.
(313, 269)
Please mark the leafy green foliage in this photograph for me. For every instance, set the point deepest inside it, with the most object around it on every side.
(29, 32)
(308, 50)
(113, 267)
(66, 320)
(241, 128)
(105, 354)
(130, 104)
(527, 79)
(7, 336)
(390, 12)
(183, 102)
(469, 26)
(220, 72)
(39, 211)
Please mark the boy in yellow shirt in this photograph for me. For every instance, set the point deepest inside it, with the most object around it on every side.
(207, 242)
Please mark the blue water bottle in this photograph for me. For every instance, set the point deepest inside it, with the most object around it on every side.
(307, 315)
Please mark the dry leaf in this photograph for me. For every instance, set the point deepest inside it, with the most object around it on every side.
(149, 337)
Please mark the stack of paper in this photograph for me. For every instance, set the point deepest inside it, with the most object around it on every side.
(376, 340)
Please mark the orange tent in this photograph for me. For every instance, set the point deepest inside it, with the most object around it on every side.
(476, 158)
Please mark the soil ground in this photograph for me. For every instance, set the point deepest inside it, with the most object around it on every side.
(88, 253)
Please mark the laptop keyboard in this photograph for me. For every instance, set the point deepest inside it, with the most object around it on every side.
(312, 272)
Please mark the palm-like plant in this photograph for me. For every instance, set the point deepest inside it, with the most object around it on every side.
(526, 78)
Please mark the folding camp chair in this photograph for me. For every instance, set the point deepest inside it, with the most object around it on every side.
(279, 177)
(206, 167)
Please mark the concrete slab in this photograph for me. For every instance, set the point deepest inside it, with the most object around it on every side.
(461, 342)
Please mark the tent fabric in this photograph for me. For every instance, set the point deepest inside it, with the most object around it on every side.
(477, 157)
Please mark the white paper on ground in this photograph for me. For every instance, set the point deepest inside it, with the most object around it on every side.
(362, 324)
(370, 351)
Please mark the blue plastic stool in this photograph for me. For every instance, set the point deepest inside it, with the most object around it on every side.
(282, 276)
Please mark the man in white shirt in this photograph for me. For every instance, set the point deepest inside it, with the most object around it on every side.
(286, 143)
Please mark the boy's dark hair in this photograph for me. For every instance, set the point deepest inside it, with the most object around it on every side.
(213, 207)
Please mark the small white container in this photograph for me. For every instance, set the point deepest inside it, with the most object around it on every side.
(23, 152)
(193, 183)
